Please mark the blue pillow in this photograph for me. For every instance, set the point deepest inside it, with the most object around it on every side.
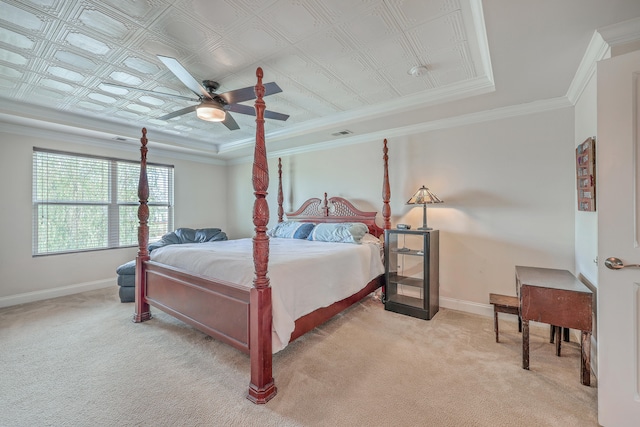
(291, 230)
(344, 232)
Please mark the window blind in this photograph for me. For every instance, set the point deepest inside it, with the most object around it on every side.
(83, 202)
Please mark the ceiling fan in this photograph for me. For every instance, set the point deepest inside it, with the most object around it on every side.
(213, 107)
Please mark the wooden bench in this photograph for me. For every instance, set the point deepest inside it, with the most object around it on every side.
(504, 304)
(510, 305)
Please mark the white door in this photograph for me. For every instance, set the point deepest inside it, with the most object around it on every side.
(618, 204)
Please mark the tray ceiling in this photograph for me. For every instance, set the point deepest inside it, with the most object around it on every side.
(342, 64)
(333, 59)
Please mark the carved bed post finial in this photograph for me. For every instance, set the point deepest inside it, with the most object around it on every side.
(142, 311)
(386, 189)
(325, 206)
(280, 193)
(262, 387)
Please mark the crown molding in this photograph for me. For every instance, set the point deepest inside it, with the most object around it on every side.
(599, 48)
(622, 32)
(12, 111)
(477, 17)
(96, 140)
(468, 88)
(448, 123)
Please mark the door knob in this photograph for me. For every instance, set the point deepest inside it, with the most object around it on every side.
(616, 263)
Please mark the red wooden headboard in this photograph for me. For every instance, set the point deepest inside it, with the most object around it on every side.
(335, 209)
(338, 209)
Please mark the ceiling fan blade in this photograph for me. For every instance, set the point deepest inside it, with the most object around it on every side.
(275, 116)
(250, 111)
(230, 122)
(178, 113)
(248, 93)
(152, 92)
(183, 75)
(242, 109)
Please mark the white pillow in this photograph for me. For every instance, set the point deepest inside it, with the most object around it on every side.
(343, 232)
(291, 230)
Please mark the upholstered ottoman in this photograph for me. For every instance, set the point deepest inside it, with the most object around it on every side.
(127, 272)
(127, 281)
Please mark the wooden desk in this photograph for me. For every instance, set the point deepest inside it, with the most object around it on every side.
(555, 297)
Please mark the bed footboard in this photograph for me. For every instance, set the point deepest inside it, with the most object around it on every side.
(218, 309)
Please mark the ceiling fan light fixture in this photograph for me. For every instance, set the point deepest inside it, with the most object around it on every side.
(210, 113)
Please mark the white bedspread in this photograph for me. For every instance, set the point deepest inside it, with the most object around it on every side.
(304, 275)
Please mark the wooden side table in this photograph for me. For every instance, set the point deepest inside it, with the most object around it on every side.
(555, 297)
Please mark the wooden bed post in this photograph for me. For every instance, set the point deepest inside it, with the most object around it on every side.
(386, 189)
(142, 311)
(262, 387)
(280, 194)
(325, 206)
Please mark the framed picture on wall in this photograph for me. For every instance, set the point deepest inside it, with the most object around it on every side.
(586, 175)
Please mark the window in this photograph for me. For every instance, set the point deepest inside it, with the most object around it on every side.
(83, 203)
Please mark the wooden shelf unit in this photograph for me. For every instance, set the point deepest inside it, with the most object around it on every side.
(412, 272)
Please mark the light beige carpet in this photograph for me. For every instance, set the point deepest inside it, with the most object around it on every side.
(81, 361)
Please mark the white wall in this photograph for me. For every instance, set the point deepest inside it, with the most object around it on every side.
(200, 195)
(508, 187)
(586, 222)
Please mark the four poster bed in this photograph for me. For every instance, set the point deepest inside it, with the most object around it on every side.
(236, 303)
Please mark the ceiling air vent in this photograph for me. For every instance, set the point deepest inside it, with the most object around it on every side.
(342, 132)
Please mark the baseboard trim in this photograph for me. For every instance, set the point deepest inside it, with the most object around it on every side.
(467, 306)
(482, 310)
(56, 292)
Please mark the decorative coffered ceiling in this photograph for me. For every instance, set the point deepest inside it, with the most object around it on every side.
(340, 63)
(330, 57)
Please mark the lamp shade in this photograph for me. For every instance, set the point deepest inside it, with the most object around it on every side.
(423, 197)
(210, 113)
